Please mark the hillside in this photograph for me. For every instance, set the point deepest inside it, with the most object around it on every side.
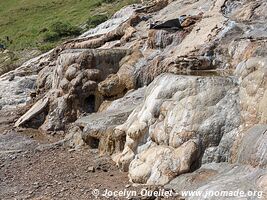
(25, 22)
(28, 28)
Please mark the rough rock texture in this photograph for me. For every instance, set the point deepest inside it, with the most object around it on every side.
(17, 85)
(179, 112)
(74, 87)
(221, 177)
(231, 177)
(98, 128)
(15, 90)
(253, 94)
(111, 24)
(256, 154)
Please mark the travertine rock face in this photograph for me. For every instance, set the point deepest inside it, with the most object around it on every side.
(231, 177)
(98, 128)
(252, 75)
(179, 112)
(75, 86)
(17, 85)
(212, 180)
(256, 154)
(68, 70)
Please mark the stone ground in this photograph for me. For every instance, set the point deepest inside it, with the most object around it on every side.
(36, 166)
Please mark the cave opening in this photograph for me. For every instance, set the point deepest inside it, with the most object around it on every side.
(89, 104)
(92, 142)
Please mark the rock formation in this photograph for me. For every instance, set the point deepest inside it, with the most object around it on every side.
(180, 113)
(182, 106)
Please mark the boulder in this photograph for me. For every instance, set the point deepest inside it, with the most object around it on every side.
(38, 108)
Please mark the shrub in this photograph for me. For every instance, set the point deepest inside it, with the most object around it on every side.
(3, 42)
(59, 30)
(109, 1)
(95, 20)
(50, 36)
(46, 47)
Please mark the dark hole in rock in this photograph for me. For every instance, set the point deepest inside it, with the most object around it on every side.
(122, 142)
(81, 128)
(92, 142)
(114, 38)
(89, 104)
(37, 120)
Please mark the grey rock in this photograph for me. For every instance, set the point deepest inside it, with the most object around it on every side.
(247, 173)
(219, 177)
(100, 126)
(35, 110)
(252, 147)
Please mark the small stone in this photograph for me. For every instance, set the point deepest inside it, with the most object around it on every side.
(105, 170)
(13, 157)
(31, 192)
(91, 169)
(12, 77)
(33, 94)
(18, 92)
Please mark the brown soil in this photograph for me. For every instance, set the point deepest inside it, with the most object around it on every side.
(33, 166)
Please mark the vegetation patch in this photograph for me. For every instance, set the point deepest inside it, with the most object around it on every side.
(43, 24)
(60, 30)
(95, 20)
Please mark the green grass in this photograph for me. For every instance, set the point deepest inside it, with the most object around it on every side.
(26, 22)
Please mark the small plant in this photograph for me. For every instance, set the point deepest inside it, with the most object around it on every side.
(109, 1)
(3, 44)
(59, 30)
(95, 20)
(46, 47)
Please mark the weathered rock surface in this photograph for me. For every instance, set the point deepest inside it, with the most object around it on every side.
(16, 85)
(113, 23)
(15, 90)
(38, 108)
(212, 180)
(98, 128)
(253, 94)
(240, 176)
(179, 112)
(74, 86)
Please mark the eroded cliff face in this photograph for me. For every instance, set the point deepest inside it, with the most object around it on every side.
(171, 88)
(181, 117)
